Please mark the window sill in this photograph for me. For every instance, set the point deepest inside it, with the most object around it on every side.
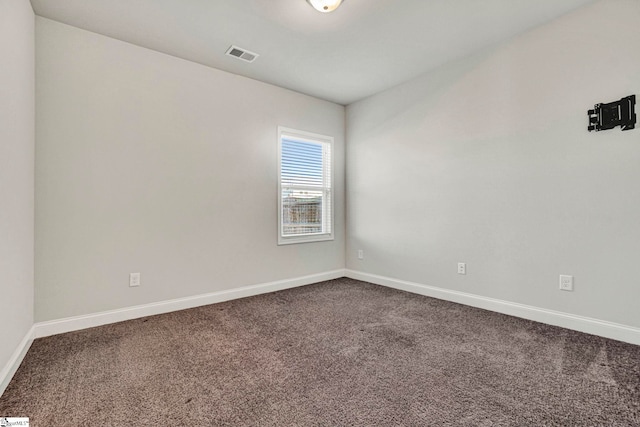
(304, 239)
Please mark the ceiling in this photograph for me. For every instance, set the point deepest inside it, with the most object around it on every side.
(362, 48)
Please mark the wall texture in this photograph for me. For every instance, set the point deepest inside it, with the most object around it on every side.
(148, 163)
(488, 161)
(17, 112)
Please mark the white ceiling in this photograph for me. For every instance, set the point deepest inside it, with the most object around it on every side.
(364, 47)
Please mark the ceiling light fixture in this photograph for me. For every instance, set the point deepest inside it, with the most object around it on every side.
(325, 6)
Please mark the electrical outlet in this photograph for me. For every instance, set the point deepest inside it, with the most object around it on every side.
(462, 268)
(360, 254)
(566, 282)
(134, 279)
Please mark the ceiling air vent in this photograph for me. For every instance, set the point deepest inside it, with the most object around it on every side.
(240, 53)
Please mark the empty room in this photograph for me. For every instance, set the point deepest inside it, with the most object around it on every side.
(319, 212)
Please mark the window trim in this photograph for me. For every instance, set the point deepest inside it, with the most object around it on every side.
(312, 138)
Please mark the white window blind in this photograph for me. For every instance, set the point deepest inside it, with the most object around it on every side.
(305, 187)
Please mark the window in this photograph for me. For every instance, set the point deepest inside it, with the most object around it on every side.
(305, 195)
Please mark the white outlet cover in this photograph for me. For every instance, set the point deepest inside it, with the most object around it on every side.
(462, 268)
(134, 279)
(566, 282)
(360, 254)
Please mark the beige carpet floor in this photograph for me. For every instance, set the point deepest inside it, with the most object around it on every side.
(338, 353)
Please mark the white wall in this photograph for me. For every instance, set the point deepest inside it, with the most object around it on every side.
(17, 103)
(488, 161)
(152, 164)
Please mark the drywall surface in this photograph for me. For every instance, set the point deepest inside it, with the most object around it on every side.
(152, 164)
(488, 161)
(17, 113)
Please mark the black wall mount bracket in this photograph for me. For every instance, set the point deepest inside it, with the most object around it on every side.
(618, 113)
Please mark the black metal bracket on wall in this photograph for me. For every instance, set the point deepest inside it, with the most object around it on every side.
(619, 113)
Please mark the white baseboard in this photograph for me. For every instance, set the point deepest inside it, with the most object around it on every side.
(588, 325)
(16, 359)
(579, 323)
(69, 324)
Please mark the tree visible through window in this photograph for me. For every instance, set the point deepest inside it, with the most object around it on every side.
(305, 193)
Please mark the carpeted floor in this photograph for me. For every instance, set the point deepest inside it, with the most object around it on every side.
(338, 353)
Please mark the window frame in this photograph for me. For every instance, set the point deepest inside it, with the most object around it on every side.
(314, 138)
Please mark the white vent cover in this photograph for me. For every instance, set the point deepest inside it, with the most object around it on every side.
(240, 53)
